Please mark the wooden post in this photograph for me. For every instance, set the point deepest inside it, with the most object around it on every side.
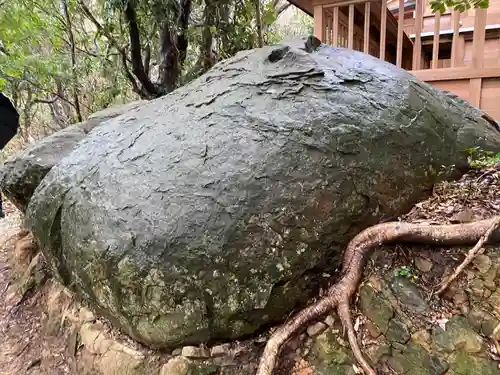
(435, 42)
(454, 43)
(350, 31)
(478, 55)
(366, 47)
(399, 49)
(383, 28)
(417, 46)
(335, 26)
(319, 29)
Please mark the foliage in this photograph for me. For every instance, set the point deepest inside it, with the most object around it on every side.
(406, 272)
(480, 159)
(61, 60)
(459, 5)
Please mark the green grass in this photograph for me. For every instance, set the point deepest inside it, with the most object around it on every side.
(480, 159)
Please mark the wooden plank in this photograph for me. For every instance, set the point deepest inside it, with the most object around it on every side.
(399, 49)
(350, 37)
(458, 73)
(454, 43)
(335, 26)
(383, 29)
(490, 92)
(417, 46)
(478, 38)
(435, 42)
(345, 3)
(475, 91)
(319, 29)
(366, 40)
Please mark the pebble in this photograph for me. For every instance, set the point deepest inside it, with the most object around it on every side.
(330, 321)
(316, 329)
(220, 350)
(482, 263)
(423, 264)
(176, 366)
(195, 352)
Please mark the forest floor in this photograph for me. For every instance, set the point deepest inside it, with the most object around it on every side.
(28, 344)
(403, 329)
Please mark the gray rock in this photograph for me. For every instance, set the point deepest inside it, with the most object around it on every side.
(398, 331)
(24, 171)
(208, 214)
(458, 335)
(409, 295)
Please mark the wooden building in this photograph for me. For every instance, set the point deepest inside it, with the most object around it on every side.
(458, 52)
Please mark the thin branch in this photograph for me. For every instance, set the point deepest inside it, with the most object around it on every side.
(470, 255)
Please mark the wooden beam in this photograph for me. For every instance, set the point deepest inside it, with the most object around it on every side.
(350, 31)
(335, 26)
(319, 29)
(417, 46)
(448, 74)
(383, 28)
(366, 37)
(478, 38)
(435, 43)
(331, 4)
(454, 44)
(399, 49)
(475, 91)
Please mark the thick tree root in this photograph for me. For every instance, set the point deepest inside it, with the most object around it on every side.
(339, 295)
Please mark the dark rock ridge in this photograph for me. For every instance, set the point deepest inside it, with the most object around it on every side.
(213, 211)
(22, 172)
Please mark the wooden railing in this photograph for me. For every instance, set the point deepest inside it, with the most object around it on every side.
(436, 48)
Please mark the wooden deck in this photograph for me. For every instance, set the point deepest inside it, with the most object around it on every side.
(455, 52)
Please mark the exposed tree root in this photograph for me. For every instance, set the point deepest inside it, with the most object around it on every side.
(470, 256)
(339, 295)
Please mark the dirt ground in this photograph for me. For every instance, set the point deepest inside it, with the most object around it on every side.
(28, 344)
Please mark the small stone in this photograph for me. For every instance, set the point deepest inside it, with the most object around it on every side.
(422, 338)
(375, 307)
(330, 321)
(478, 289)
(472, 365)
(176, 352)
(195, 352)
(460, 297)
(316, 329)
(458, 335)
(220, 350)
(176, 366)
(482, 263)
(376, 352)
(409, 294)
(398, 332)
(85, 315)
(423, 264)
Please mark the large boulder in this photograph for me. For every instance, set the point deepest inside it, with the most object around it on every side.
(215, 210)
(22, 172)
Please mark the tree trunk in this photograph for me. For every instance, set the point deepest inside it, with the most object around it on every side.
(258, 17)
(71, 37)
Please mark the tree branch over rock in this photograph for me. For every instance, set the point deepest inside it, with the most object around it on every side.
(340, 294)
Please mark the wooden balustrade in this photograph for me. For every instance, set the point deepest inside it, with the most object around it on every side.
(368, 26)
(436, 48)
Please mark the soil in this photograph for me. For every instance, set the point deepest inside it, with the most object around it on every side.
(27, 345)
